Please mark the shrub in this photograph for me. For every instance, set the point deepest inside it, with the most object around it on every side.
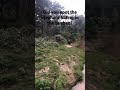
(79, 75)
(60, 82)
(59, 38)
(42, 85)
(17, 38)
(42, 42)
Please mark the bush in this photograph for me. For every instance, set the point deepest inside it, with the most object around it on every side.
(79, 75)
(59, 38)
(17, 38)
(42, 42)
(60, 82)
(42, 85)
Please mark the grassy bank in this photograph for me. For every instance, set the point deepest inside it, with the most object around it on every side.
(57, 66)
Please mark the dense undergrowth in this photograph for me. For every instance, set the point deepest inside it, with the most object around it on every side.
(50, 57)
(16, 58)
(102, 72)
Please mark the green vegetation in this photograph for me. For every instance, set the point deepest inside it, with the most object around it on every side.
(102, 71)
(57, 67)
(51, 57)
(16, 61)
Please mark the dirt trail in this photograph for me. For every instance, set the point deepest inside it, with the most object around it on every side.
(69, 46)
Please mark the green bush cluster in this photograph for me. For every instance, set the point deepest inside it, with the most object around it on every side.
(60, 39)
(42, 84)
(17, 38)
(42, 42)
(60, 82)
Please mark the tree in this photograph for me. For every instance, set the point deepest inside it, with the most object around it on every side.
(42, 24)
